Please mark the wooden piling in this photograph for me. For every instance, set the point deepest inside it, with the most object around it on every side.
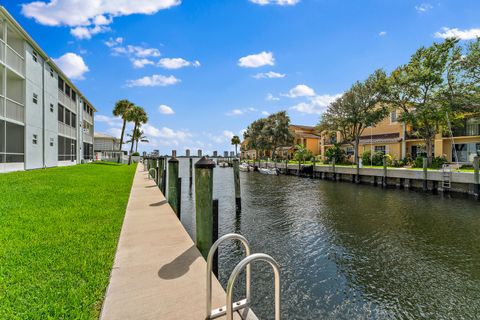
(236, 178)
(204, 204)
(476, 177)
(384, 178)
(179, 198)
(172, 193)
(190, 174)
(425, 174)
(286, 166)
(333, 170)
(313, 168)
(162, 176)
(215, 235)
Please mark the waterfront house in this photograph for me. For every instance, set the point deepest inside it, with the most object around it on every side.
(106, 146)
(45, 121)
(393, 137)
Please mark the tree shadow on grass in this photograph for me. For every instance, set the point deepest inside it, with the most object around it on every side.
(180, 265)
(113, 164)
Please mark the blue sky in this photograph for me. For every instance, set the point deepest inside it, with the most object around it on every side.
(204, 69)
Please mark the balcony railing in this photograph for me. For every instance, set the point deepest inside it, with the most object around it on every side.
(15, 110)
(66, 101)
(2, 51)
(2, 106)
(87, 138)
(65, 130)
(87, 117)
(15, 61)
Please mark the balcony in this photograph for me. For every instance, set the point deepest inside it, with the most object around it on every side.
(15, 61)
(468, 128)
(2, 51)
(67, 131)
(87, 138)
(15, 110)
(87, 117)
(66, 101)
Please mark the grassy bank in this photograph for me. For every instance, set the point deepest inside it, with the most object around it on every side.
(59, 229)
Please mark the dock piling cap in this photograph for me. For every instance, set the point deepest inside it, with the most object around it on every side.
(172, 160)
(205, 163)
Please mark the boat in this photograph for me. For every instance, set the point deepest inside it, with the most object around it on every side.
(244, 167)
(271, 171)
(223, 164)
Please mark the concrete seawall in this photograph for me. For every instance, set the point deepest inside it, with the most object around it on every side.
(461, 182)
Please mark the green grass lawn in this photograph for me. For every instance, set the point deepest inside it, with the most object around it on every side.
(59, 230)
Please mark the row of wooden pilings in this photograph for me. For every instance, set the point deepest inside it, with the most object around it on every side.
(384, 177)
(206, 208)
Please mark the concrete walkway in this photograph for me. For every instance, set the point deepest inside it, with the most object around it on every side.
(158, 272)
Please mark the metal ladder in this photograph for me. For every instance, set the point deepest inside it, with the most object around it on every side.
(243, 304)
(446, 176)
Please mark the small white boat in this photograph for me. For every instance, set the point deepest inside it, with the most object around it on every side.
(223, 164)
(271, 171)
(244, 167)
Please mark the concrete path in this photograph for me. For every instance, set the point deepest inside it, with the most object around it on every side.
(158, 272)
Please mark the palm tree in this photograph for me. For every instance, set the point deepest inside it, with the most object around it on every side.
(121, 109)
(138, 116)
(235, 142)
(138, 136)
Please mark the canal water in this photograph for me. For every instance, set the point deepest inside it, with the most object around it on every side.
(349, 251)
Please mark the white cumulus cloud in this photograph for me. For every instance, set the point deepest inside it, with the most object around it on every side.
(164, 109)
(316, 104)
(90, 14)
(140, 63)
(269, 75)
(155, 80)
(72, 65)
(466, 34)
(177, 63)
(239, 112)
(300, 90)
(382, 33)
(277, 2)
(423, 7)
(257, 60)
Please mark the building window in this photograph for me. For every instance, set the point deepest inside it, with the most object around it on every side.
(67, 117)
(60, 84)
(74, 120)
(382, 149)
(51, 142)
(74, 96)
(34, 56)
(67, 90)
(51, 107)
(35, 98)
(67, 149)
(350, 151)
(35, 139)
(14, 146)
(393, 116)
(61, 110)
(51, 73)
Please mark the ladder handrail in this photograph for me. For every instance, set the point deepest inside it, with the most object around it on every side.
(211, 253)
(246, 263)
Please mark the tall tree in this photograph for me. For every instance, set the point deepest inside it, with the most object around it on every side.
(276, 131)
(121, 109)
(138, 116)
(235, 141)
(256, 140)
(358, 108)
(435, 86)
(136, 137)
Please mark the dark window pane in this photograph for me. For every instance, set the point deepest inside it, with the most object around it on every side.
(2, 136)
(10, 158)
(2, 158)
(74, 120)
(15, 138)
(67, 90)
(61, 147)
(74, 96)
(60, 113)
(60, 83)
(67, 117)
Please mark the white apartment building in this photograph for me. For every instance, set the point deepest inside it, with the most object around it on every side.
(45, 121)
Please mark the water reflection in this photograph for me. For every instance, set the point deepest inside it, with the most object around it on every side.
(348, 251)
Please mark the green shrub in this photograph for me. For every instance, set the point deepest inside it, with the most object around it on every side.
(135, 154)
(335, 152)
(438, 162)
(377, 159)
(418, 162)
